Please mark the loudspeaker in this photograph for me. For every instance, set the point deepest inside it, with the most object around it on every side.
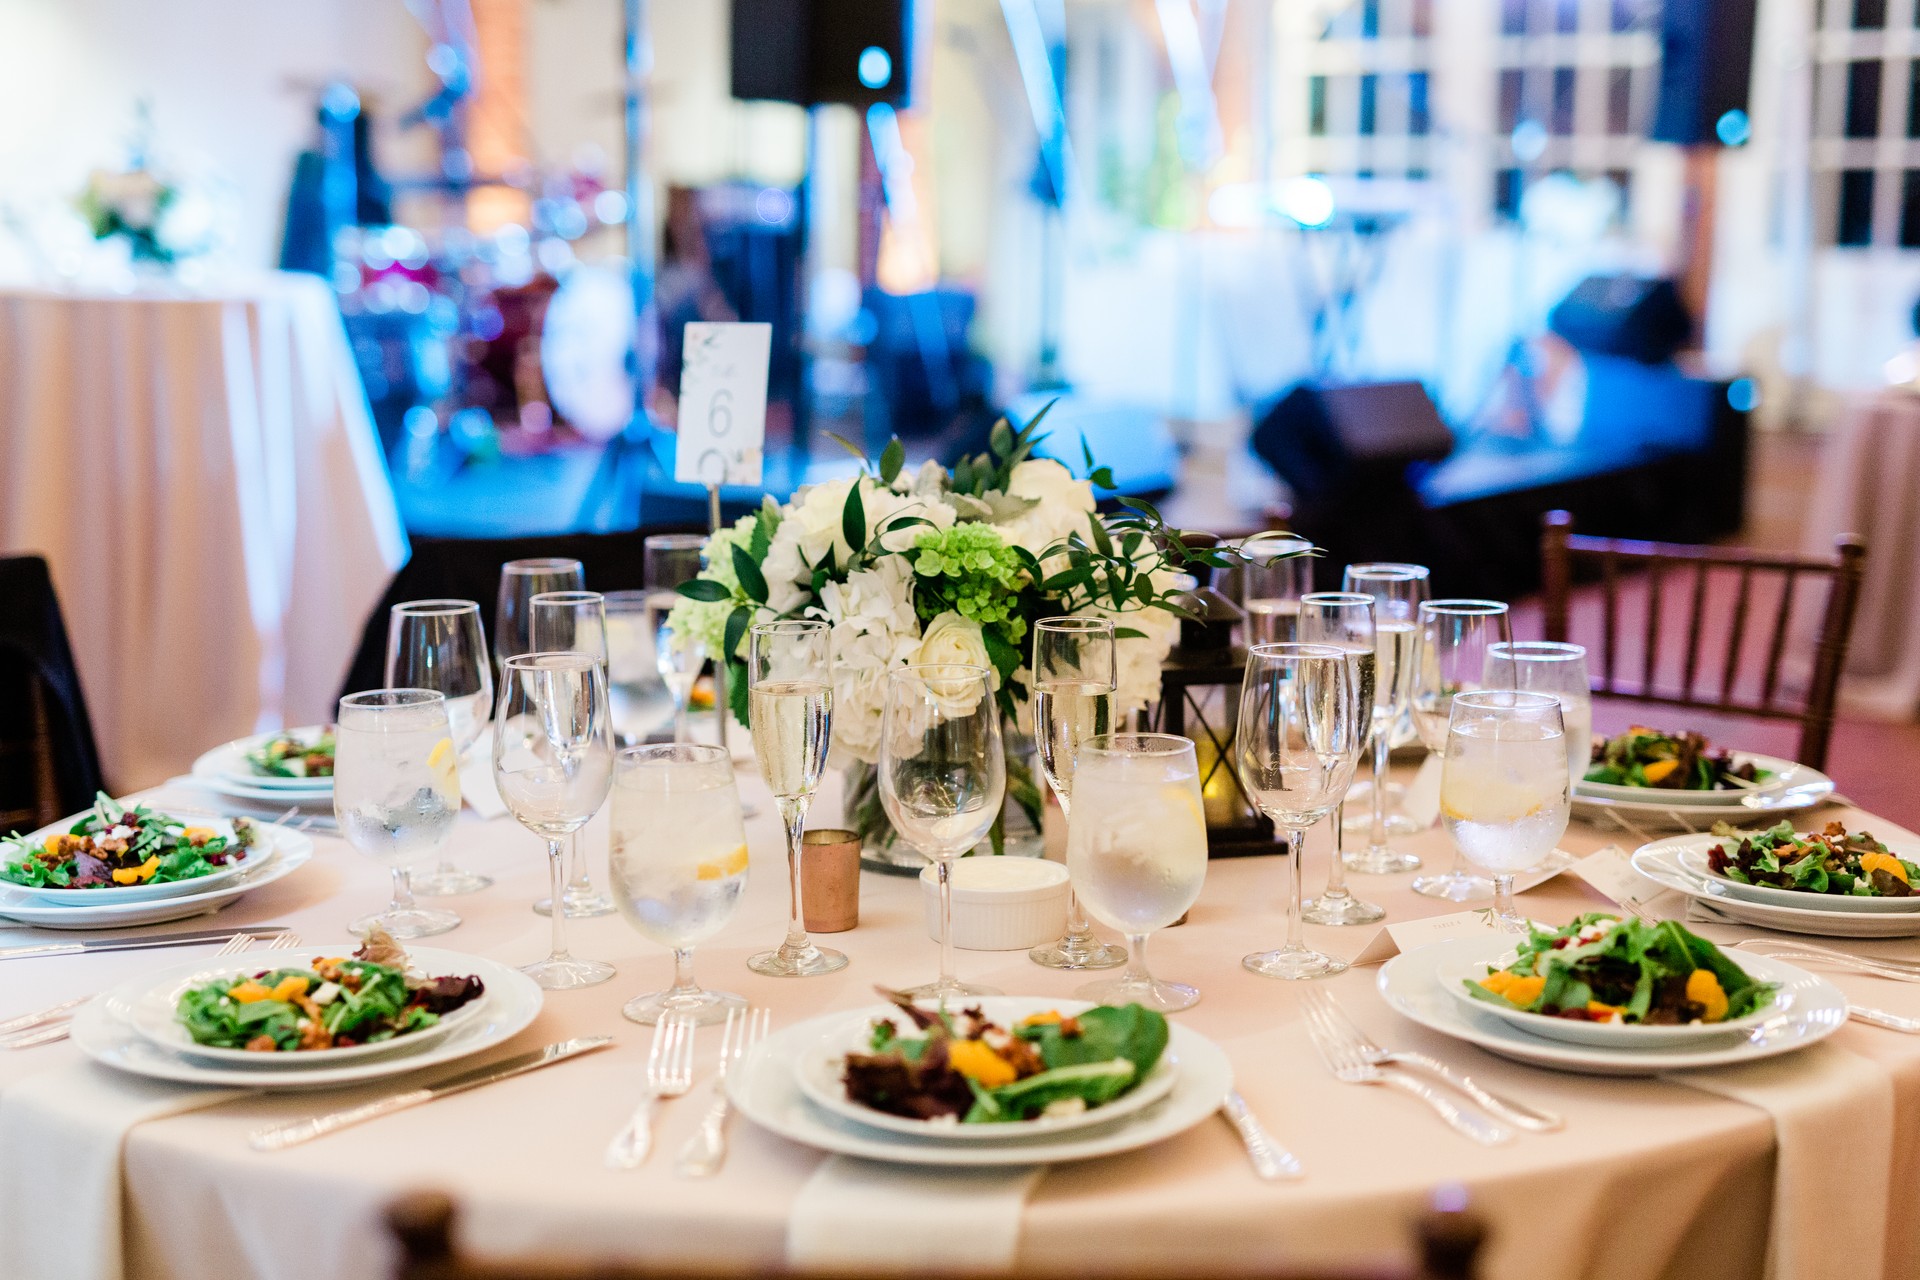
(1325, 439)
(858, 52)
(1621, 315)
(1706, 59)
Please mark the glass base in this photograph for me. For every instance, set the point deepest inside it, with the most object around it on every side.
(701, 1008)
(1294, 964)
(1454, 886)
(946, 992)
(797, 962)
(565, 975)
(448, 882)
(1345, 909)
(1083, 952)
(579, 906)
(1161, 997)
(417, 923)
(1382, 862)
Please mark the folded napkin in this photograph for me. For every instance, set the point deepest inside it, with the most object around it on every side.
(1833, 1157)
(866, 1215)
(62, 1134)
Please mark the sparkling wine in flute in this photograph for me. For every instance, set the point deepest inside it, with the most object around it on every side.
(789, 721)
(1394, 644)
(1064, 716)
(1272, 621)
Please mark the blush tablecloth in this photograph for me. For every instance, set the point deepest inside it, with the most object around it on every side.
(1650, 1178)
(201, 472)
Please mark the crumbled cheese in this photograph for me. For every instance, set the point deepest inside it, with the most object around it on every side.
(1060, 1107)
(326, 994)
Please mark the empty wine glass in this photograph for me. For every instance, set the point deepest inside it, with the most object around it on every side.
(1503, 791)
(1344, 620)
(943, 777)
(1138, 851)
(1301, 724)
(520, 582)
(1397, 590)
(553, 763)
(673, 559)
(679, 864)
(396, 793)
(438, 645)
(1549, 666)
(790, 714)
(1074, 677)
(1455, 636)
(573, 622)
(1275, 571)
(640, 699)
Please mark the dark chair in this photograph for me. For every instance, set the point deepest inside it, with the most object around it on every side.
(469, 569)
(1757, 580)
(48, 763)
(423, 1224)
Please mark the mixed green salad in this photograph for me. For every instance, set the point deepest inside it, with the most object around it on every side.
(113, 845)
(286, 756)
(1643, 757)
(965, 1068)
(332, 1003)
(1602, 968)
(1832, 862)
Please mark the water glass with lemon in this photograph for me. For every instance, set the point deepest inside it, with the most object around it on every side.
(1503, 786)
(396, 793)
(679, 859)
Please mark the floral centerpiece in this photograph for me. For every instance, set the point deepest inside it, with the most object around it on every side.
(132, 204)
(933, 565)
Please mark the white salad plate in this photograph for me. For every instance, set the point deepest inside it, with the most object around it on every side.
(1809, 1009)
(227, 765)
(818, 1072)
(279, 852)
(1794, 788)
(1782, 774)
(69, 898)
(104, 1030)
(766, 1088)
(152, 1013)
(1692, 852)
(1660, 862)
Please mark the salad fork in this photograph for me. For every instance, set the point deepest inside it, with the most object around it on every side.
(1515, 1113)
(1345, 1059)
(669, 1074)
(1811, 953)
(706, 1151)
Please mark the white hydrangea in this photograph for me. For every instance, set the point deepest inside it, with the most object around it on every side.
(1062, 505)
(874, 630)
(813, 524)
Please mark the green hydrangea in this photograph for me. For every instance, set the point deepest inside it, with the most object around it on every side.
(971, 570)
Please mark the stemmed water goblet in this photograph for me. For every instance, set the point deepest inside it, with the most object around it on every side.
(1503, 788)
(1550, 666)
(1344, 620)
(439, 645)
(520, 582)
(573, 622)
(1397, 590)
(671, 560)
(1275, 572)
(943, 777)
(1455, 639)
(790, 715)
(553, 763)
(1074, 676)
(396, 794)
(1301, 724)
(678, 864)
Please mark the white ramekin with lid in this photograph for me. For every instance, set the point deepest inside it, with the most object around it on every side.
(1000, 904)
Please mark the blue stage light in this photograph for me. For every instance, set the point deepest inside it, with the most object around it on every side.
(1733, 128)
(876, 68)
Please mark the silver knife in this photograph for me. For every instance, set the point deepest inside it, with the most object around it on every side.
(279, 1136)
(1270, 1160)
(140, 941)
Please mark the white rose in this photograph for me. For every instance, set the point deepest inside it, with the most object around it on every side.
(1062, 505)
(952, 638)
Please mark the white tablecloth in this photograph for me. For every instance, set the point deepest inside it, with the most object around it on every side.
(202, 474)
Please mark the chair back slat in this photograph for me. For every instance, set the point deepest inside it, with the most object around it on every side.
(1777, 647)
(1736, 633)
(1650, 655)
(1694, 618)
(1610, 645)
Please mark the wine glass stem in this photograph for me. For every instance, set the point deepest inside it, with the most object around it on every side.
(793, 812)
(1377, 837)
(1136, 973)
(683, 983)
(1503, 901)
(579, 883)
(402, 890)
(556, 873)
(1296, 850)
(1337, 873)
(1079, 928)
(946, 924)
(680, 715)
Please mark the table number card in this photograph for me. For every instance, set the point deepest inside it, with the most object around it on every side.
(723, 403)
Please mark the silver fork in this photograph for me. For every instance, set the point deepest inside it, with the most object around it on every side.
(669, 1074)
(1515, 1113)
(1877, 966)
(1344, 1059)
(706, 1150)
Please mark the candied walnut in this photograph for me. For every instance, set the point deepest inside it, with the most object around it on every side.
(262, 1044)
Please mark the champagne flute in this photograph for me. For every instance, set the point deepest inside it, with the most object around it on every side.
(1397, 590)
(672, 559)
(396, 793)
(943, 777)
(553, 763)
(679, 859)
(1138, 851)
(572, 622)
(1548, 666)
(1455, 636)
(1074, 676)
(1503, 792)
(1302, 721)
(1345, 621)
(438, 645)
(1276, 570)
(520, 582)
(790, 714)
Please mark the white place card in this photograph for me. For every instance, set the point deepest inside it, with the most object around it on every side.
(723, 403)
(1422, 799)
(1410, 935)
(1610, 870)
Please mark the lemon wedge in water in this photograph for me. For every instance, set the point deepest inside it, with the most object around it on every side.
(444, 763)
(721, 868)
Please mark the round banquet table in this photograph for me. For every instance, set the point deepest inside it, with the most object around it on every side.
(1649, 1178)
(182, 459)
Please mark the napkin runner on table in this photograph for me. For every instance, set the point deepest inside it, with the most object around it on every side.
(866, 1215)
